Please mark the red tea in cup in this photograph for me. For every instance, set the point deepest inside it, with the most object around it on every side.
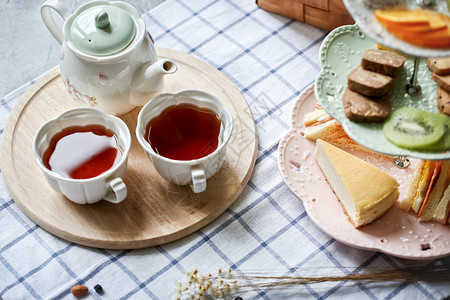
(81, 152)
(184, 132)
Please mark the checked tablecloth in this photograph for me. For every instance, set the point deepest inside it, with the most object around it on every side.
(271, 60)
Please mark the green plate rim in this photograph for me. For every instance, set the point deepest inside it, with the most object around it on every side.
(367, 134)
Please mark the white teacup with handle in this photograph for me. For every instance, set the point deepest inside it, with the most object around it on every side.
(194, 172)
(108, 185)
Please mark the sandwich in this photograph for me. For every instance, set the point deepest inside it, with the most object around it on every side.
(429, 192)
(441, 214)
(364, 191)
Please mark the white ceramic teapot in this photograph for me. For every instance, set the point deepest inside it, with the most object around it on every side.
(107, 57)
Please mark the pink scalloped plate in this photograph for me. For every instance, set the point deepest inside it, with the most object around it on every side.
(398, 233)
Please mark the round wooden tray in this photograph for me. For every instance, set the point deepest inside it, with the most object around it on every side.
(155, 211)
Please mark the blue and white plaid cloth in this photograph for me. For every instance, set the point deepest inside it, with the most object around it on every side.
(271, 60)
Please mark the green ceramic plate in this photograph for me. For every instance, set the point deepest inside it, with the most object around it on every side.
(340, 53)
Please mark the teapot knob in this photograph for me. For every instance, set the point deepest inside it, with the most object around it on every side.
(101, 19)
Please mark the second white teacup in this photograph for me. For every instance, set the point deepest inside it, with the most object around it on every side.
(195, 171)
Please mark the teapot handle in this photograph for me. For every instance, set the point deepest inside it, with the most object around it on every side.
(50, 22)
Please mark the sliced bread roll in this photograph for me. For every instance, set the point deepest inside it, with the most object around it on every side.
(443, 101)
(359, 108)
(442, 81)
(382, 61)
(369, 83)
(440, 66)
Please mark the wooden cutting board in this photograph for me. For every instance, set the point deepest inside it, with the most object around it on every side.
(155, 211)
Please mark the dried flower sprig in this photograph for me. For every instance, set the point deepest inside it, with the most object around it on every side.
(225, 284)
(197, 286)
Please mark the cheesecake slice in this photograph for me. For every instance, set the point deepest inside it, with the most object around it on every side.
(364, 191)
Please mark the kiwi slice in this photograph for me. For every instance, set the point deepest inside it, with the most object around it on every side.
(443, 143)
(413, 128)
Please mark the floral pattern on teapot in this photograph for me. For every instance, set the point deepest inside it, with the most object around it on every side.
(79, 97)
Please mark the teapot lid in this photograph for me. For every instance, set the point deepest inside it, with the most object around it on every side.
(102, 30)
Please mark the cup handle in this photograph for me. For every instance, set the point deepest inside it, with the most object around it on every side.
(118, 191)
(50, 22)
(198, 184)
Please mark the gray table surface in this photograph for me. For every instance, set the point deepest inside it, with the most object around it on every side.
(27, 49)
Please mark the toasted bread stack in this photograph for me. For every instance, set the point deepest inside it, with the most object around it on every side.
(366, 98)
(441, 75)
(320, 125)
(429, 192)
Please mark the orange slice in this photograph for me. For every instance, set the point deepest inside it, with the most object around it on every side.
(404, 17)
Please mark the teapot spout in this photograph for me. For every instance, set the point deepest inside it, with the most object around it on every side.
(161, 67)
(149, 78)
